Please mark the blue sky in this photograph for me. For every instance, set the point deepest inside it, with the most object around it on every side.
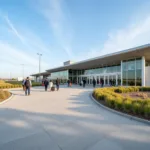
(67, 30)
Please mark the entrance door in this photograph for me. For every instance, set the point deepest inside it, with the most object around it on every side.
(112, 80)
(106, 80)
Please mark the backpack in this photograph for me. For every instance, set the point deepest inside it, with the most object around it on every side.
(27, 83)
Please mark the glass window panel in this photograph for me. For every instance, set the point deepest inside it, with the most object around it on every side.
(124, 66)
(138, 77)
(131, 65)
(138, 64)
(131, 77)
(124, 78)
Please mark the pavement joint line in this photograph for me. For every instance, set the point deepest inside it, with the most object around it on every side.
(50, 137)
(120, 113)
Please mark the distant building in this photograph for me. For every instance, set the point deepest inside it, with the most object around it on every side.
(19, 78)
(68, 62)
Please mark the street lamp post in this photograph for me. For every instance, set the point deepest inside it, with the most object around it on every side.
(22, 69)
(39, 63)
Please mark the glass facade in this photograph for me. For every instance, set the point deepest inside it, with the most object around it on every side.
(61, 75)
(132, 72)
(110, 69)
(74, 75)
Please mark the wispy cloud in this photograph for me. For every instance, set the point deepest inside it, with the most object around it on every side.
(27, 38)
(13, 29)
(54, 12)
(20, 49)
(132, 35)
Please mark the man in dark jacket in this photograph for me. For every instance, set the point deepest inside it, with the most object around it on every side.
(94, 82)
(27, 85)
(84, 82)
(57, 84)
(68, 83)
(46, 84)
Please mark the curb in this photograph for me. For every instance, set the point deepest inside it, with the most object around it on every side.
(120, 113)
(5, 101)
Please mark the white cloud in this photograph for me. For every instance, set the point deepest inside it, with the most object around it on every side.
(13, 29)
(54, 12)
(13, 57)
(132, 35)
(20, 49)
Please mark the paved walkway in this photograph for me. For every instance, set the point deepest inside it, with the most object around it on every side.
(66, 120)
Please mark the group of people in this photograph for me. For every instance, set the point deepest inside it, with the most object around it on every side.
(83, 82)
(27, 84)
(47, 83)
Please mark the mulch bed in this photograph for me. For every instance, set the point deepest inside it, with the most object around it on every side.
(135, 95)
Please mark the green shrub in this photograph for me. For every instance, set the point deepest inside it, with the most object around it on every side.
(119, 103)
(147, 111)
(136, 108)
(127, 105)
(113, 99)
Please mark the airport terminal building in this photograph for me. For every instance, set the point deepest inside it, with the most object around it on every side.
(129, 67)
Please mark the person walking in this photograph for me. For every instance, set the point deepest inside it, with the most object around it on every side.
(46, 84)
(27, 85)
(102, 82)
(57, 84)
(84, 82)
(68, 83)
(23, 81)
(94, 82)
(50, 85)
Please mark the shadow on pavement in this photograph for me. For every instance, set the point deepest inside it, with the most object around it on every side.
(83, 128)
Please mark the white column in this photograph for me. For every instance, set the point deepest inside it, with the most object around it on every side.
(143, 71)
(121, 73)
(116, 80)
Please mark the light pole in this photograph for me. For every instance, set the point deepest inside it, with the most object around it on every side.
(39, 63)
(22, 69)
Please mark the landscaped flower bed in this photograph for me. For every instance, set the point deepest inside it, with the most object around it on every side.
(4, 95)
(4, 85)
(20, 83)
(14, 84)
(114, 97)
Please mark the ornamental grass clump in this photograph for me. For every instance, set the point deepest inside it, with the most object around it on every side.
(119, 103)
(4, 95)
(127, 105)
(147, 111)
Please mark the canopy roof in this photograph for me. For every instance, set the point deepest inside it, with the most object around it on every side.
(106, 60)
(109, 59)
(41, 74)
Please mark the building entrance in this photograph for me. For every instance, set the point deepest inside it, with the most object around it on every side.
(109, 79)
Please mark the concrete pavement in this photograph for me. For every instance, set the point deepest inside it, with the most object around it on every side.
(66, 120)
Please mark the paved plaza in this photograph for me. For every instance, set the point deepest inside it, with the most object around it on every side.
(66, 120)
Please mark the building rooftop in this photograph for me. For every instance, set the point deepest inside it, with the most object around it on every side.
(108, 59)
